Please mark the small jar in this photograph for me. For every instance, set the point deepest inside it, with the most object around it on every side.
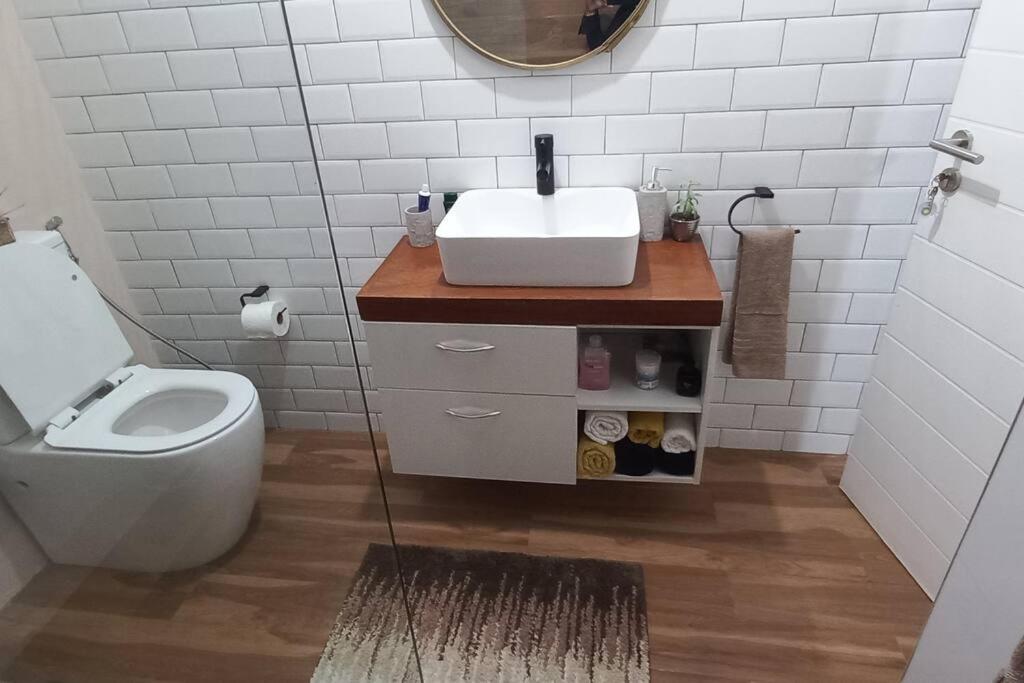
(648, 369)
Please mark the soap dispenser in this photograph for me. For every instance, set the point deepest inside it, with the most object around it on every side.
(595, 372)
(652, 200)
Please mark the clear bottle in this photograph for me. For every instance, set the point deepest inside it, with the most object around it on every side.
(595, 365)
(648, 369)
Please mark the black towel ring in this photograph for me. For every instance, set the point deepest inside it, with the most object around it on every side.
(759, 193)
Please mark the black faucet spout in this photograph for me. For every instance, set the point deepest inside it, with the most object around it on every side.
(544, 145)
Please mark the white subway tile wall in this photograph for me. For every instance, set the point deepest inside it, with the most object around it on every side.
(186, 120)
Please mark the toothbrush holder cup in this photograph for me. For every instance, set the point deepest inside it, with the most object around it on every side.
(420, 227)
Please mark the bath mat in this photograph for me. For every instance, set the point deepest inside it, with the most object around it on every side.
(489, 616)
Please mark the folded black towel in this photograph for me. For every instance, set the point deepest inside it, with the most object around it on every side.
(679, 464)
(634, 459)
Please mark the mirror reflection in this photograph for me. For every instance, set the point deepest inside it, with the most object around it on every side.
(540, 33)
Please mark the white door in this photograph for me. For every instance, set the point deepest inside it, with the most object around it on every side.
(979, 616)
(949, 378)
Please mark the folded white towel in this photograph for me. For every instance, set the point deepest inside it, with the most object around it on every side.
(606, 426)
(680, 433)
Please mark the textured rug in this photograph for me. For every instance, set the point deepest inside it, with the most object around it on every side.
(486, 616)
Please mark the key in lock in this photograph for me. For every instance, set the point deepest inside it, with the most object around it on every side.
(948, 181)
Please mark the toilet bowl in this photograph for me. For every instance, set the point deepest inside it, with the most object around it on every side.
(115, 465)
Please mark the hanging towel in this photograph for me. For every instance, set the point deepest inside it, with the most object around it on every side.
(646, 428)
(680, 433)
(755, 340)
(606, 426)
(634, 459)
(594, 460)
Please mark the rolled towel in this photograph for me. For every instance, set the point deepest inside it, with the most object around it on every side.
(646, 428)
(679, 464)
(634, 459)
(606, 426)
(594, 460)
(680, 433)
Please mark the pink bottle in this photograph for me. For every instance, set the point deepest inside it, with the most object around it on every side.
(595, 365)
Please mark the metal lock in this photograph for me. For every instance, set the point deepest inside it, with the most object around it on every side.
(948, 181)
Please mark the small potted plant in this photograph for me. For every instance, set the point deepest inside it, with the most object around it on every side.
(6, 231)
(685, 218)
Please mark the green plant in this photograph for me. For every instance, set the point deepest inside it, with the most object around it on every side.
(687, 206)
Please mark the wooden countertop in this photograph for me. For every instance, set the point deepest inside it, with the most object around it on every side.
(674, 286)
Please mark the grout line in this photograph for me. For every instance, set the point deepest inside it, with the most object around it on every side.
(874, 35)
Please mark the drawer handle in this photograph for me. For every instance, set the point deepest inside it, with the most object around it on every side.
(472, 413)
(463, 346)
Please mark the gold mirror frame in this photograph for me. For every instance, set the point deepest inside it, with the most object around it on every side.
(612, 41)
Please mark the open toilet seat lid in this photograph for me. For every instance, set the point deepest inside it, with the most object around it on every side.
(58, 340)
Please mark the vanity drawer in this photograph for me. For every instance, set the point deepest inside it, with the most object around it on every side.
(481, 436)
(510, 359)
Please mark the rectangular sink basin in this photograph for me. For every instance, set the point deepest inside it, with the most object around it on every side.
(577, 237)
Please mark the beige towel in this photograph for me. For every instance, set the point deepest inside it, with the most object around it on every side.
(755, 340)
(646, 428)
(594, 460)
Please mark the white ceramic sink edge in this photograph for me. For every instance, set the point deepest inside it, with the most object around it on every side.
(577, 237)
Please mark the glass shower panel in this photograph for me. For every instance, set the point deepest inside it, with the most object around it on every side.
(189, 129)
(547, 531)
(364, 190)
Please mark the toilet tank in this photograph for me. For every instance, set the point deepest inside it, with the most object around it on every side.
(12, 425)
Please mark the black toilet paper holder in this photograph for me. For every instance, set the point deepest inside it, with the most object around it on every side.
(254, 294)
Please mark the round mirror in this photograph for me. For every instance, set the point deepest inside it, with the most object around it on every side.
(540, 34)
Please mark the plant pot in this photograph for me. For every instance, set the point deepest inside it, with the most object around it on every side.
(683, 229)
(6, 232)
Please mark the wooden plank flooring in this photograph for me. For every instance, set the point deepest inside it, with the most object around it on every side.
(764, 573)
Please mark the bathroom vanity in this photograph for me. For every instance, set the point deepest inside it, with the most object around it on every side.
(480, 382)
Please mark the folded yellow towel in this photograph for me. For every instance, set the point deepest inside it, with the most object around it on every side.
(594, 460)
(647, 428)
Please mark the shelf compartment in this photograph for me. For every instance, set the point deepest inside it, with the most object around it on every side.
(652, 478)
(625, 395)
(656, 478)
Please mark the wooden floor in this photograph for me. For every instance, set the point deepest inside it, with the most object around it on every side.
(763, 573)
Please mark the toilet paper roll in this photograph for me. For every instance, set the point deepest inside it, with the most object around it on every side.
(265, 320)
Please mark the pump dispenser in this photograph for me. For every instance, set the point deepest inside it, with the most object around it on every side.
(595, 372)
(652, 200)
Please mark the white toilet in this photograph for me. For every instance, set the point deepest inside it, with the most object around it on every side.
(110, 464)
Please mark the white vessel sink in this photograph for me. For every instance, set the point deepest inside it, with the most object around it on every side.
(577, 237)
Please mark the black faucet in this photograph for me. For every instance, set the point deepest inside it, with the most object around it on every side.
(545, 146)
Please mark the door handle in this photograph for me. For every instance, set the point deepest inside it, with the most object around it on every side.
(460, 346)
(958, 146)
(472, 413)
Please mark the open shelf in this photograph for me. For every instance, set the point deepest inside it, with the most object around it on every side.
(625, 395)
(656, 478)
(653, 478)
